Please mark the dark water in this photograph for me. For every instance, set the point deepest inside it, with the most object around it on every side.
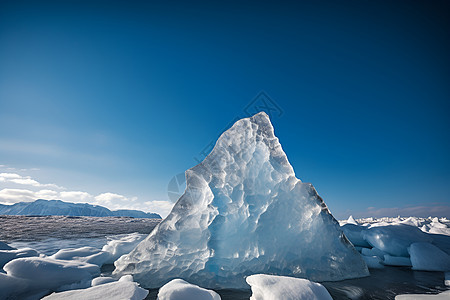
(382, 284)
(36, 228)
(58, 231)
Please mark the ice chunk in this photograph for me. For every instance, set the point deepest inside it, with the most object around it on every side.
(86, 254)
(411, 221)
(355, 234)
(395, 239)
(102, 280)
(118, 290)
(179, 289)
(372, 252)
(244, 212)
(447, 278)
(50, 272)
(350, 220)
(437, 227)
(121, 244)
(427, 257)
(437, 230)
(442, 296)
(4, 246)
(270, 287)
(373, 262)
(397, 261)
(12, 287)
(8, 255)
(42, 275)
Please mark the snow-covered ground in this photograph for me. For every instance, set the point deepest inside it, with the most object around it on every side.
(27, 274)
(75, 272)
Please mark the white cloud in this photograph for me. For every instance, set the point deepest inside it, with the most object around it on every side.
(109, 198)
(16, 195)
(76, 196)
(161, 207)
(47, 194)
(10, 175)
(25, 180)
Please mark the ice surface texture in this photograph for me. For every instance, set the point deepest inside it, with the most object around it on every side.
(270, 287)
(425, 256)
(244, 212)
(179, 289)
(124, 289)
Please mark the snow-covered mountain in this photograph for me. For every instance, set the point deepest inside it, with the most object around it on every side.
(42, 207)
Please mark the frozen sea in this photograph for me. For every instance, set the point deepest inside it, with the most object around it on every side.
(51, 233)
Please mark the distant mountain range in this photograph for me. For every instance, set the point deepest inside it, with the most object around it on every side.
(42, 207)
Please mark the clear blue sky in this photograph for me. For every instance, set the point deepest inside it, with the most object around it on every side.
(114, 98)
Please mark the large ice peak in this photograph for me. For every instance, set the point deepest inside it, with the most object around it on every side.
(244, 212)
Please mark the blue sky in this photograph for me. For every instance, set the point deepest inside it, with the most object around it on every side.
(107, 101)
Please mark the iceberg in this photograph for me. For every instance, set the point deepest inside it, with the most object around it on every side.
(244, 212)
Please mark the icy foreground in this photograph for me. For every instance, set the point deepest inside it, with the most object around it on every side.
(244, 212)
(179, 289)
(26, 275)
(270, 287)
(123, 289)
(423, 244)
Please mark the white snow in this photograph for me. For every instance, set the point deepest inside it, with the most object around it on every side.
(178, 289)
(121, 244)
(42, 274)
(351, 220)
(244, 211)
(85, 254)
(427, 257)
(8, 255)
(390, 242)
(124, 289)
(429, 225)
(67, 269)
(270, 287)
(102, 280)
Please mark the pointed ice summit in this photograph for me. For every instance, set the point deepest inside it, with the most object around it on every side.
(243, 213)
